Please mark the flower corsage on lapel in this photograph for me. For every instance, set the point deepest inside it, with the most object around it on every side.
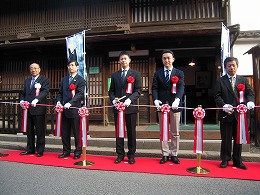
(130, 81)
(73, 89)
(174, 81)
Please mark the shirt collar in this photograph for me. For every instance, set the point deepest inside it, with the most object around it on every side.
(167, 69)
(125, 69)
(231, 76)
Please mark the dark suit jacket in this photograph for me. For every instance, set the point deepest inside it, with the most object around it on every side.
(29, 94)
(64, 95)
(224, 94)
(118, 89)
(162, 90)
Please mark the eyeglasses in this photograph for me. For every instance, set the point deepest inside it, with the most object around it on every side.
(34, 68)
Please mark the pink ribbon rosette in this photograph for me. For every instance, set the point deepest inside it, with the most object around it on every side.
(120, 126)
(241, 89)
(72, 88)
(174, 81)
(83, 113)
(198, 114)
(59, 110)
(242, 126)
(37, 87)
(130, 81)
(164, 128)
(25, 107)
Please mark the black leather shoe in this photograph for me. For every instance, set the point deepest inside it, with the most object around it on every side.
(118, 160)
(131, 161)
(76, 156)
(39, 155)
(223, 164)
(175, 160)
(164, 159)
(26, 153)
(63, 155)
(240, 166)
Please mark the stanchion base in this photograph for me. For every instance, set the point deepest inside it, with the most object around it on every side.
(84, 163)
(3, 155)
(198, 170)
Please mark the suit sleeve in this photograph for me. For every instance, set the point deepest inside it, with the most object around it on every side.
(218, 94)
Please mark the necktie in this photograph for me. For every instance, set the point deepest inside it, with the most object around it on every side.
(233, 83)
(167, 77)
(70, 79)
(123, 75)
(32, 82)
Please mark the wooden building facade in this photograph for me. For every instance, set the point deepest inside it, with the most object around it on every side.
(35, 31)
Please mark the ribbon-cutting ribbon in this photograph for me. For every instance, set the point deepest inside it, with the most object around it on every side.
(164, 127)
(242, 126)
(25, 106)
(198, 114)
(120, 126)
(83, 113)
(58, 129)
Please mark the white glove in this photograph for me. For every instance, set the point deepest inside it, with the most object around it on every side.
(21, 103)
(34, 102)
(127, 102)
(67, 105)
(157, 103)
(250, 105)
(114, 102)
(227, 108)
(175, 104)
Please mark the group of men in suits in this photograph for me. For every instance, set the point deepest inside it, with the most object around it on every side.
(167, 88)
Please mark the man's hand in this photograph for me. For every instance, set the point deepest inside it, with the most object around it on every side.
(34, 102)
(67, 105)
(157, 103)
(21, 103)
(227, 108)
(175, 104)
(127, 102)
(250, 105)
(114, 102)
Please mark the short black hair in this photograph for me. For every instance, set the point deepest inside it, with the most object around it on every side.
(124, 53)
(70, 61)
(167, 51)
(229, 59)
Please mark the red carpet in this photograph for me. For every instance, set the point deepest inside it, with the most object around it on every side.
(142, 165)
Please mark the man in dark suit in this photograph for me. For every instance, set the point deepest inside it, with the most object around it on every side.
(117, 90)
(36, 89)
(162, 93)
(70, 94)
(226, 96)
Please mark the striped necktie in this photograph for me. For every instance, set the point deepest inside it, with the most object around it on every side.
(167, 77)
(32, 82)
(233, 83)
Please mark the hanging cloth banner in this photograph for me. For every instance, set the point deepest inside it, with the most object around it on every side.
(25, 107)
(120, 126)
(198, 114)
(225, 46)
(164, 127)
(83, 113)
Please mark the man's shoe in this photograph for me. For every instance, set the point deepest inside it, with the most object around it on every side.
(223, 164)
(26, 153)
(63, 155)
(164, 159)
(131, 161)
(240, 166)
(76, 156)
(118, 160)
(39, 155)
(175, 160)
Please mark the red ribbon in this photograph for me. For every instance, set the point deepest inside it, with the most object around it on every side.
(83, 113)
(241, 89)
(174, 81)
(25, 107)
(58, 129)
(164, 127)
(130, 81)
(72, 88)
(198, 114)
(242, 126)
(120, 126)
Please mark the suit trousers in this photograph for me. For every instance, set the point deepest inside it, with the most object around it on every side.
(69, 124)
(130, 120)
(227, 131)
(36, 125)
(171, 148)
